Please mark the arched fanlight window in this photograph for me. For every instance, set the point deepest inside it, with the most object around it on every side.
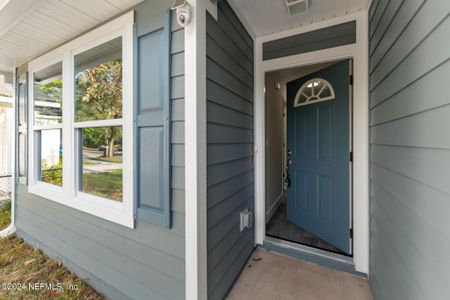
(314, 90)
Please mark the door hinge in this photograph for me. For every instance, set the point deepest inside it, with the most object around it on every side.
(351, 79)
(351, 156)
(351, 233)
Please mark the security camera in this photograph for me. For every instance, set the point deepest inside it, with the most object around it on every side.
(183, 10)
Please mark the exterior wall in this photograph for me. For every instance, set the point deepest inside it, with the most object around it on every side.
(147, 262)
(410, 149)
(229, 147)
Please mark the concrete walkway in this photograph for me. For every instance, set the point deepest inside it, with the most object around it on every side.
(268, 275)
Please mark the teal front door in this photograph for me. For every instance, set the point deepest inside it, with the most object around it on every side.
(318, 145)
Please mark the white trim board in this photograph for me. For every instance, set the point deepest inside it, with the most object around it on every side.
(195, 150)
(360, 188)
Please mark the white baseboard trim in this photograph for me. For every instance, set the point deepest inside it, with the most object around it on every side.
(273, 208)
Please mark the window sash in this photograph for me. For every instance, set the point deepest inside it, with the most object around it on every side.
(118, 212)
(99, 123)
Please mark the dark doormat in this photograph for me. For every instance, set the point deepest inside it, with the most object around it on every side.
(279, 227)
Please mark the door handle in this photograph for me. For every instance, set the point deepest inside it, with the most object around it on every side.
(289, 162)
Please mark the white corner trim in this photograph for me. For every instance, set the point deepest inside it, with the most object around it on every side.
(195, 153)
(260, 141)
(361, 232)
(359, 52)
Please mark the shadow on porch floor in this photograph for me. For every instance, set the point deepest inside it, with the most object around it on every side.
(268, 275)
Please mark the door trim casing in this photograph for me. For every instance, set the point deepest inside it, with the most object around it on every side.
(360, 116)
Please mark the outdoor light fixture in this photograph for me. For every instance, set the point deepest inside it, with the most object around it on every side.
(296, 7)
(183, 12)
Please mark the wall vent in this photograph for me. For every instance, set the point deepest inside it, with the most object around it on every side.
(297, 7)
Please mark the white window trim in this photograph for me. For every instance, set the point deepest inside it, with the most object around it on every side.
(309, 99)
(118, 212)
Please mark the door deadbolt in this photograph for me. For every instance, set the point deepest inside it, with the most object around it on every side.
(289, 152)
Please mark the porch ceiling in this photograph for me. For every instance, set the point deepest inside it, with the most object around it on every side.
(269, 16)
(29, 28)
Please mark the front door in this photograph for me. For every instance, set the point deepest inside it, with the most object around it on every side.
(318, 146)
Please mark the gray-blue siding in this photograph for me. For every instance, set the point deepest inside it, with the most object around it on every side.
(328, 37)
(230, 147)
(410, 149)
(147, 262)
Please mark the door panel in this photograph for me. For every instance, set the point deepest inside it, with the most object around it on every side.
(318, 133)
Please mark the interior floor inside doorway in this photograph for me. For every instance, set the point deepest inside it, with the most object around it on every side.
(279, 227)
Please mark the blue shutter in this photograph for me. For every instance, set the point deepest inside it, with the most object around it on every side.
(152, 59)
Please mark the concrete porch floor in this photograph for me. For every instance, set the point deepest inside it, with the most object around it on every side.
(268, 275)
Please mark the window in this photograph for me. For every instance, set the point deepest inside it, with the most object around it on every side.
(21, 130)
(81, 117)
(314, 90)
(98, 111)
(47, 121)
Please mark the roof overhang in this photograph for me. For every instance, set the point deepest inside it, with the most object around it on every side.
(263, 17)
(29, 28)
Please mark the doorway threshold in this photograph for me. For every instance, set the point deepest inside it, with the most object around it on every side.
(310, 254)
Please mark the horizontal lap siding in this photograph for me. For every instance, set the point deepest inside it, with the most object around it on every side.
(333, 36)
(230, 147)
(410, 149)
(142, 263)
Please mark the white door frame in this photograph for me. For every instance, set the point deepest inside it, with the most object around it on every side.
(360, 188)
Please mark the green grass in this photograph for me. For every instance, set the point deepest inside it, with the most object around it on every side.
(27, 266)
(115, 159)
(52, 176)
(5, 215)
(105, 184)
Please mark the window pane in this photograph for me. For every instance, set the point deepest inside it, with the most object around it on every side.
(98, 82)
(22, 105)
(326, 92)
(22, 148)
(318, 86)
(302, 99)
(51, 156)
(48, 95)
(101, 163)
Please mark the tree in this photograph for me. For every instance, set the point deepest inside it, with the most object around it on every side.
(99, 97)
